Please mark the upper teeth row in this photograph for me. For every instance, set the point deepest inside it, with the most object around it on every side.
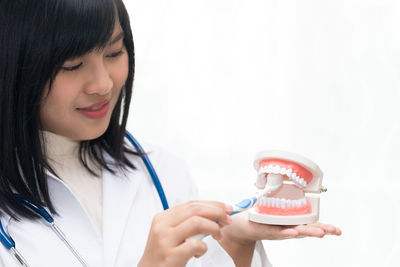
(282, 203)
(96, 108)
(283, 171)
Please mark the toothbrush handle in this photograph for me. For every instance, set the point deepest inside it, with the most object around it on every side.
(243, 205)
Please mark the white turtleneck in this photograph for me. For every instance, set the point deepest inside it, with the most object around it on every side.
(63, 155)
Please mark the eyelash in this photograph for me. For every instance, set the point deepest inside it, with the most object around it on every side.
(116, 54)
(112, 55)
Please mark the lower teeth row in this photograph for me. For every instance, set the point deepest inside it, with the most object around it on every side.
(282, 203)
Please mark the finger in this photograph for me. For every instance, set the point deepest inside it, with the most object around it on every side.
(191, 248)
(310, 230)
(329, 229)
(273, 232)
(289, 233)
(196, 225)
(214, 211)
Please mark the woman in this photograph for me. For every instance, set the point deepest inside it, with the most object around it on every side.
(66, 73)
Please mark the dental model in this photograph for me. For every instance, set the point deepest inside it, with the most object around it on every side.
(283, 179)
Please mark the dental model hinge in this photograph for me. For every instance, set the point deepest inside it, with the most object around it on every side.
(323, 189)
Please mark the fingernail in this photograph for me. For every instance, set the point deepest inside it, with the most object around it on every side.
(229, 220)
(228, 208)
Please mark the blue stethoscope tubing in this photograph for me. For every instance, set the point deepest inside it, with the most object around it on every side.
(150, 169)
(9, 243)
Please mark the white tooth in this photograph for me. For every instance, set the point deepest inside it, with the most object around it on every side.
(272, 203)
(277, 202)
(272, 168)
(264, 169)
(289, 172)
(289, 203)
(303, 201)
(301, 181)
(269, 168)
(283, 171)
(283, 203)
(293, 176)
(304, 183)
(95, 108)
(268, 202)
(298, 204)
(276, 169)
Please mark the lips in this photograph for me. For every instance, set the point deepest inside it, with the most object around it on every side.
(97, 110)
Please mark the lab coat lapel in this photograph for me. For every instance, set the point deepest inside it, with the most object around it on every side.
(119, 192)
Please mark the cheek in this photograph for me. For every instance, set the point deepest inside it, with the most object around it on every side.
(57, 103)
(120, 71)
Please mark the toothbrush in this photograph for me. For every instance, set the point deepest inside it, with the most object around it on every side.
(274, 182)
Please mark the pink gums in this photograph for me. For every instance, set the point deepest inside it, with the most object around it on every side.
(305, 209)
(296, 168)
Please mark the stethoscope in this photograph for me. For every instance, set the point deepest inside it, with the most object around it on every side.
(9, 243)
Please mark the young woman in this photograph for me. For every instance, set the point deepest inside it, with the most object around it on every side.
(66, 73)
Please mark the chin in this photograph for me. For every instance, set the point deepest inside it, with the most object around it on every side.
(89, 132)
(93, 134)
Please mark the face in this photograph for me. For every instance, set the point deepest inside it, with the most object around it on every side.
(85, 92)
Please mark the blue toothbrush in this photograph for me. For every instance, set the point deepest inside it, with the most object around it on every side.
(248, 203)
(243, 205)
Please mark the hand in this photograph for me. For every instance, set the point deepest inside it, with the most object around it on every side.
(244, 231)
(241, 235)
(166, 245)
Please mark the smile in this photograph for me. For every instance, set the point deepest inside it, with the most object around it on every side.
(97, 110)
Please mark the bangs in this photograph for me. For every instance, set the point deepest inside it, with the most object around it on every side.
(80, 26)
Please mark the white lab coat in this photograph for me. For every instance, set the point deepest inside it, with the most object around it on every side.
(130, 202)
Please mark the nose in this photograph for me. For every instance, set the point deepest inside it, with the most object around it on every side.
(100, 81)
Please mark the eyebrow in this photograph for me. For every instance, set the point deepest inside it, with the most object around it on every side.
(117, 38)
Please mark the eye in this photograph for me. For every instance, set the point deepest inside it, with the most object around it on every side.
(72, 68)
(116, 54)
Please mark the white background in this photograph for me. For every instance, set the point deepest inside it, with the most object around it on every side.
(219, 80)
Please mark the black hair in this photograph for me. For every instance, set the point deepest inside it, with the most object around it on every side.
(36, 38)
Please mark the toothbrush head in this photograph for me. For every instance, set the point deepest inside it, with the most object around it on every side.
(273, 183)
